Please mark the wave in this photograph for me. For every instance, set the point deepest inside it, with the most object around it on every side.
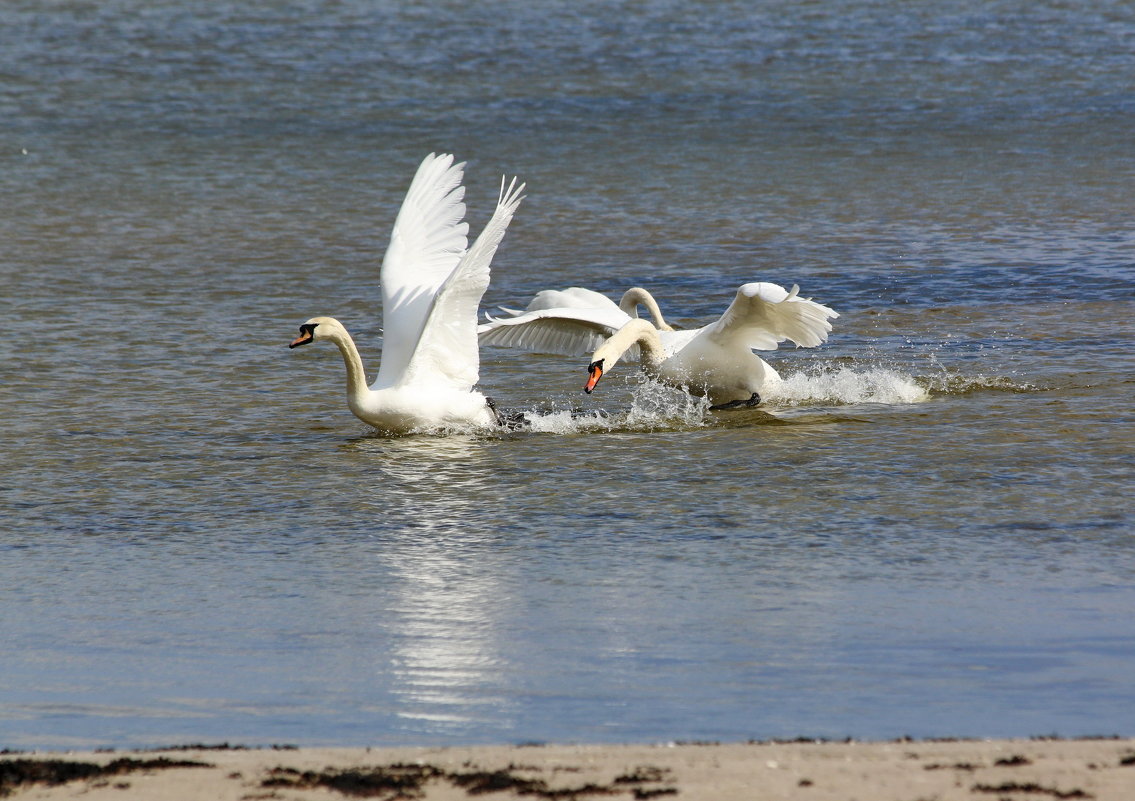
(956, 384)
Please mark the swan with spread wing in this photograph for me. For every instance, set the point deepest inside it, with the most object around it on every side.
(431, 287)
(716, 361)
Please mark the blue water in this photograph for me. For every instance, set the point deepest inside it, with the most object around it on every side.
(928, 533)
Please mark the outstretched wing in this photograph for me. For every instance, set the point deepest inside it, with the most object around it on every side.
(447, 350)
(762, 315)
(566, 331)
(428, 241)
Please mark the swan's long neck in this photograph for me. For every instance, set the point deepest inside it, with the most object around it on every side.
(636, 295)
(356, 375)
(636, 332)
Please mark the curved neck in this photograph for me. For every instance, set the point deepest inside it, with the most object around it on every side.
(356, 375)
(636, 295)
(636, 332)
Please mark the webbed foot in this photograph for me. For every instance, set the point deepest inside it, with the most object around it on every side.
(508, 419)
(751, 403)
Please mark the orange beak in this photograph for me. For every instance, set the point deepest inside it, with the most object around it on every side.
(306, 335)
(594, 373)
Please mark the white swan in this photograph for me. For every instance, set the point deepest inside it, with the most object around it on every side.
(579, 298)
(568, 322)
(431, 287)
(716, 361)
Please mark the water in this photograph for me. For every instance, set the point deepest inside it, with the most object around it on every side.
(928, 532)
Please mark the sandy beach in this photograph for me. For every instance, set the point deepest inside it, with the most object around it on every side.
(1102, 769)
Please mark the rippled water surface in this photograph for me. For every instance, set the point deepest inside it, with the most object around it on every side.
(927, 531)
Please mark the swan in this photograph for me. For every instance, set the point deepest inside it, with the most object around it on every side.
(579, 298)
(716, 361)
(568, 322)
(431, 287)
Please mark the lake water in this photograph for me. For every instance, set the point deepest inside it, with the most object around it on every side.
(929, 533)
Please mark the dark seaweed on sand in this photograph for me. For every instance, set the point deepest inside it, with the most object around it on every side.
(17, 772)
(406, 782)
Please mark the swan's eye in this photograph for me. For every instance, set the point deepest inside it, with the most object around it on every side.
(308, 329)
(595, 366)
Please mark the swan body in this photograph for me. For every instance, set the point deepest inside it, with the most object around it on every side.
(579, 298)
(716, 361)
(431, 287)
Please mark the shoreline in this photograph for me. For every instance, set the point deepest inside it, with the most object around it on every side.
(805, 770)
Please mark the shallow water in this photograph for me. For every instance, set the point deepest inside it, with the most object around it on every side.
(927, 531)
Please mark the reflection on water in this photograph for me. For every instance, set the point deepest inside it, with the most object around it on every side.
(444, 580)
(425, 483)
(445, 663)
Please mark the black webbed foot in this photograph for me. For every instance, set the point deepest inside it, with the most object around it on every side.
(751, 403)
(509, 419)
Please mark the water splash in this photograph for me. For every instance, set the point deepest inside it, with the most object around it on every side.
(656, 405)
(659, 407)
(846, 386)
(568, 421)
(653, 407)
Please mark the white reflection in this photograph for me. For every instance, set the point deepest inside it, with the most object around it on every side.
(447, 660)
(432, 484)
(444, 568)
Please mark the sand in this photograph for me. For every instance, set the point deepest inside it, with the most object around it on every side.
(1018, 770)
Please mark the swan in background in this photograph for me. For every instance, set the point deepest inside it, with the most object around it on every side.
(716, 361)
(579, 298)
(569, 322)
(431, 287)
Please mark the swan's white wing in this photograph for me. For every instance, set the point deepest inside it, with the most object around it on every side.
(426, 245)
(570, 331)
(762, 315)
(447, 350)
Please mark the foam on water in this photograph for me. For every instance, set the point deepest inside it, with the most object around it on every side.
(658, 407)
(565, 421)
(653, 407)
(846, 386)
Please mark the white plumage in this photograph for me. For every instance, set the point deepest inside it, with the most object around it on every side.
(431, 287)
(716, 361)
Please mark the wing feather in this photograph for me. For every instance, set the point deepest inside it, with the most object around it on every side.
(428, 241)
(762, 315)
(447, 351)
(566, 331)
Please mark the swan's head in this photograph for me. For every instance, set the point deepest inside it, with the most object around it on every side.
(634, 332)
(317, 328)
(594, 373)
(605, 358)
